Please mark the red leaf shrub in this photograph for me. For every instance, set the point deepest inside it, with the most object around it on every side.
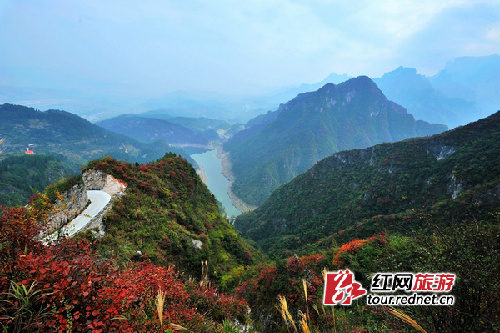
(75, 290)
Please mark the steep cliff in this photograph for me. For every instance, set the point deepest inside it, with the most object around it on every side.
(68, 205)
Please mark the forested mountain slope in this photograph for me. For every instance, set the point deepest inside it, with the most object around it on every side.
(353, 114)
(389, 186)
(21, 176)
(69, 140)
(169, 215)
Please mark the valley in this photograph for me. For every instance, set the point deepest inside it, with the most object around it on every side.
(215, 180)
(233, 225)
(250, 166)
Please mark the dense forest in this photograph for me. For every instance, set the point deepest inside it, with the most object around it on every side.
(385, 187)
(22, 176)
(420, 205)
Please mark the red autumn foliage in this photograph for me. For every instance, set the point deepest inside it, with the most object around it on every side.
(354, 246)
(313, 259)
(294, 264)
(75, 290)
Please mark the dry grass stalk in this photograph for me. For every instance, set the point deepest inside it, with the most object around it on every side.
(334, 320)
(315, 307)
(178, 327)
(160, 300)
(283, 309)
(303, 323)
(304, 285)
(407, 319)
(204, 274)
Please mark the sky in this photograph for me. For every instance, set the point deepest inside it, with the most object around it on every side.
(148, 48)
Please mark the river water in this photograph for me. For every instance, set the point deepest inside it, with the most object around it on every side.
(216, 182)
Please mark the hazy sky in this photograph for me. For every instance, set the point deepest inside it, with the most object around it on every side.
(154, 47)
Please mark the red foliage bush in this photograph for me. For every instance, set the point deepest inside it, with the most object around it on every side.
(352, 247)
(294, 264)
(78, 291)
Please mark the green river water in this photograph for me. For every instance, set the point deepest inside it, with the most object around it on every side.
(216, 182)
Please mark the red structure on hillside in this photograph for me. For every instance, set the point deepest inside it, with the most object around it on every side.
(29, 152)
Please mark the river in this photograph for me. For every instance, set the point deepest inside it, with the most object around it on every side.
(215, 181)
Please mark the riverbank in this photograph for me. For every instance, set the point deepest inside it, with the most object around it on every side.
(201, 172)
(226, 172)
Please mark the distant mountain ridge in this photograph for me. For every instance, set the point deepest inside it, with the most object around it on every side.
(61, 132)
(475, 79)
(148, 130)
(353, 114)
(196, 124)
(471, 79)
(416, 93)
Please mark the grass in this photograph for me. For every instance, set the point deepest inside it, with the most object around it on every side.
(160, 300)
(406, 319)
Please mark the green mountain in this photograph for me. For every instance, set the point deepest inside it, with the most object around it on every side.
(60, 132)
(281, 145)
(62, 142)
(198, 124)
(155, 270)
(168, 214)
(21, 176)
(393, 186)
(149, 130)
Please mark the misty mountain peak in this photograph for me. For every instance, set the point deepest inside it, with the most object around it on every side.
(350, 115)
(402, 70)
(359, 86)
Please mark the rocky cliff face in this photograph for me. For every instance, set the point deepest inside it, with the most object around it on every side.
(94, 179)
(75, 200)
(98, 180)
(72, 203)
